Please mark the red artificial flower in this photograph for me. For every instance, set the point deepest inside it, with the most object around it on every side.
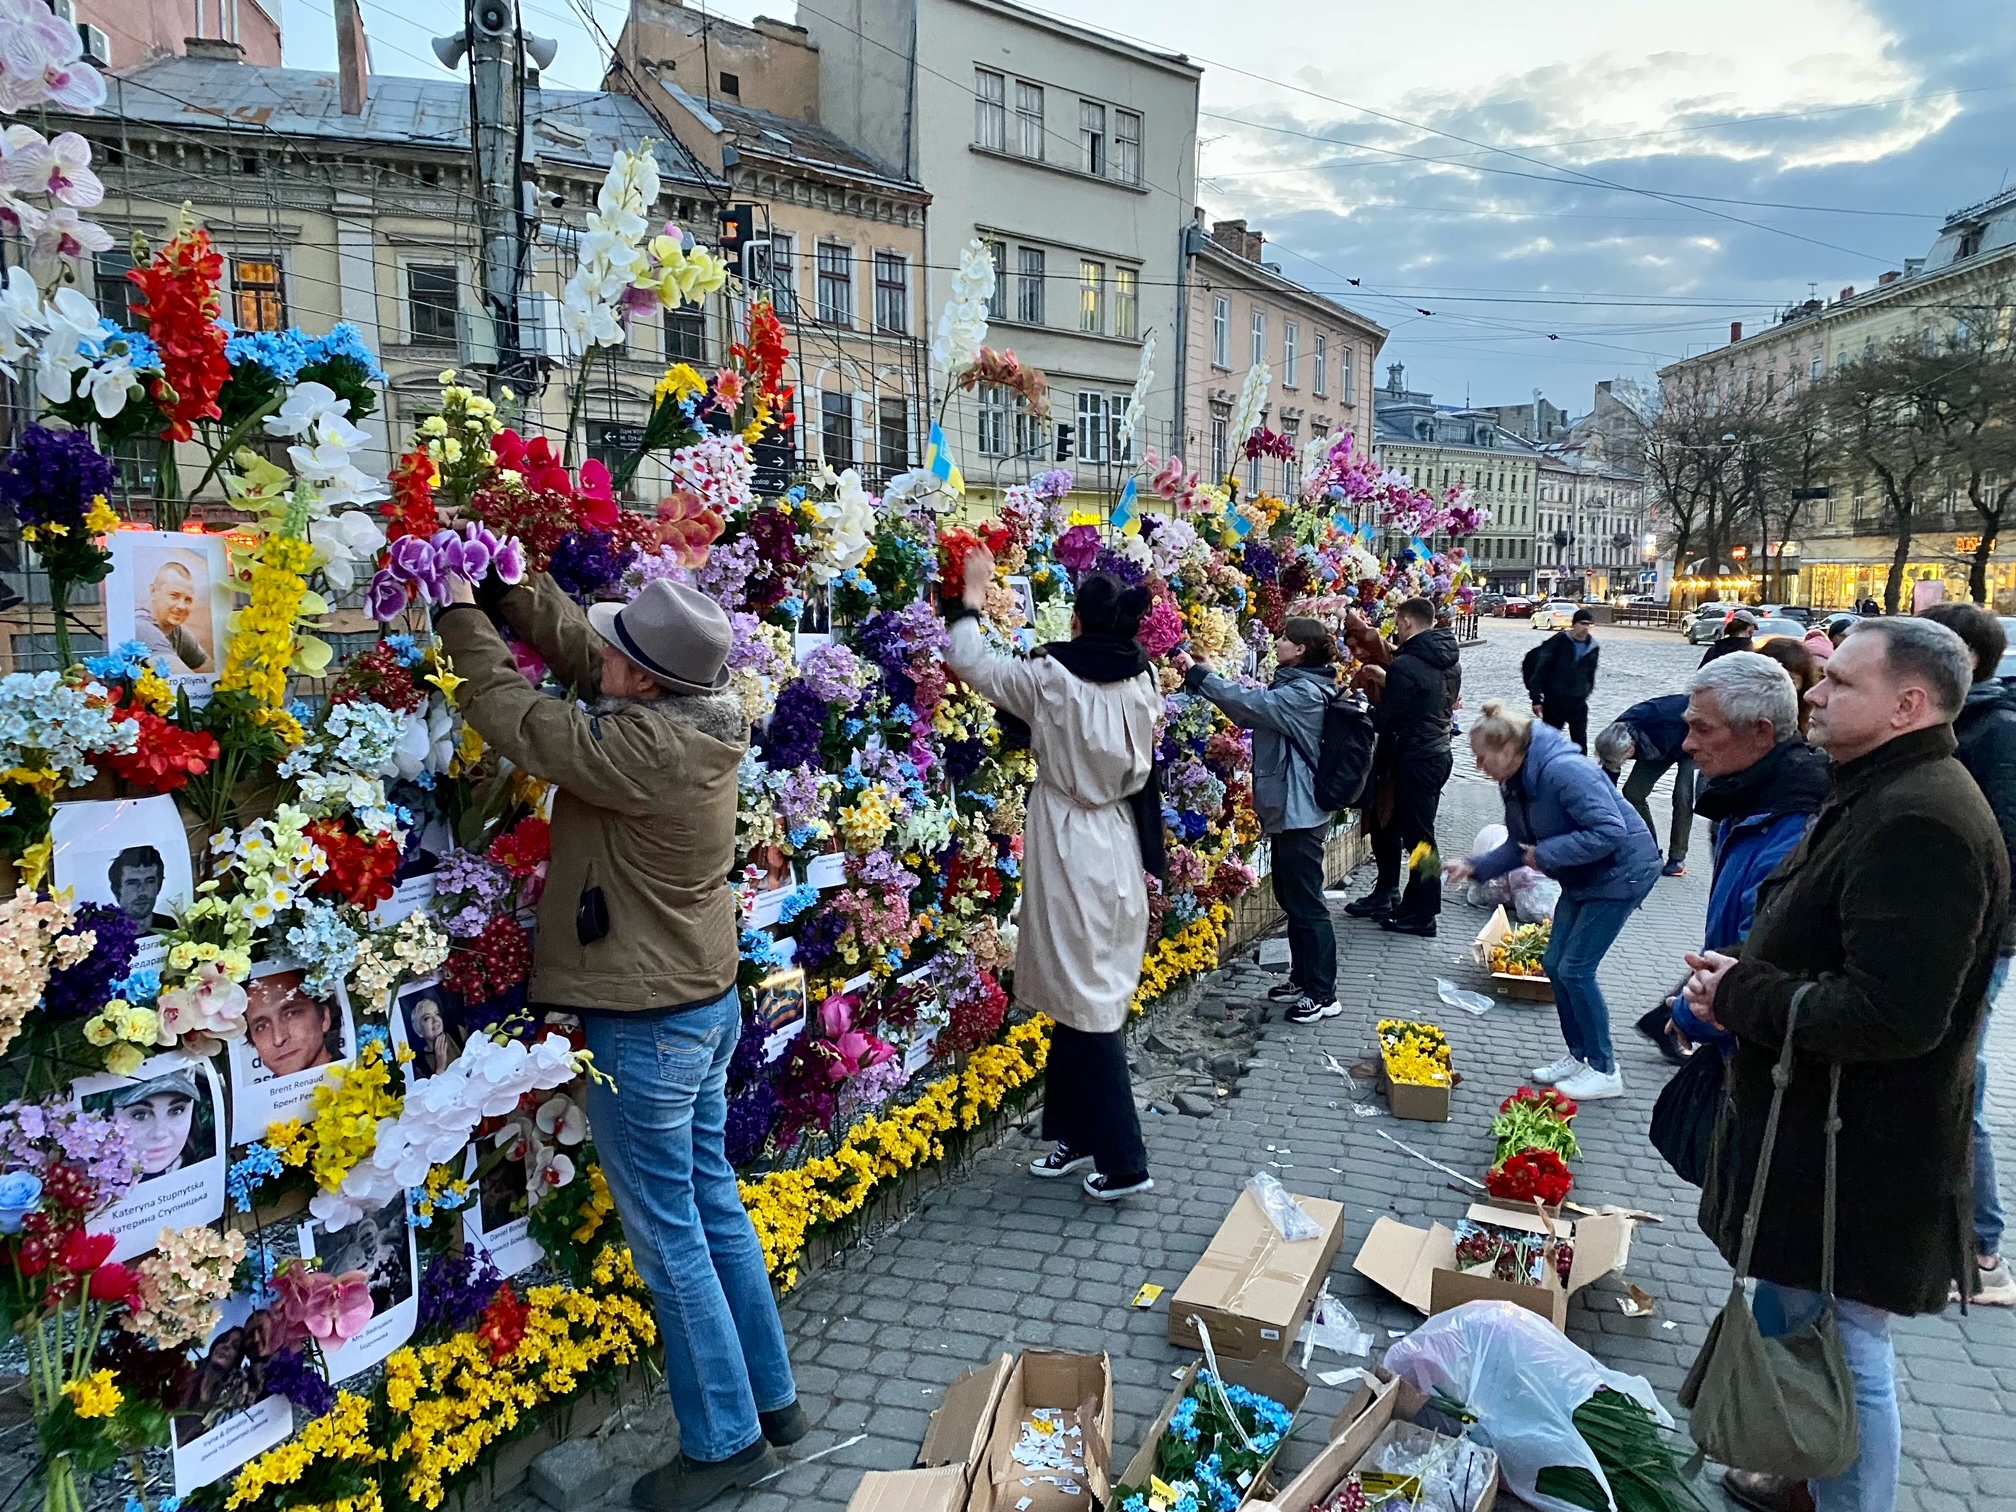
(410, 510)
(360, 870)
(114, 1282)
(181, 305)
(538, 517)
(1529, 1174)
(523, 848)
(976, 1014)
(165, 756)
(596, 497)
(504, 1320)
(82, 1252)
(1553, 1097)
(377, 675)
(534, 461)
(497, 960)
(763, 357)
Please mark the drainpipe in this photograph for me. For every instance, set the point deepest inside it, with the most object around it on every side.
(1185, 243)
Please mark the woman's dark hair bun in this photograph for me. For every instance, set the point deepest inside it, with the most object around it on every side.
(1106, 606)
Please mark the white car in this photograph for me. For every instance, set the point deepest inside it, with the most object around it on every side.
(1555, 614)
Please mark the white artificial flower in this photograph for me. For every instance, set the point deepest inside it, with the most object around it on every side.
(62, 239)
(1137, 402)
(18, 217)
(306, 406)
(962, 324)
(346, 542)
(40, 61)
(1252, 403)
(109, 382)
(562, 1120)
(850, 522)
(21, 319)
(60, 169)
(72, 320)
(586, 319)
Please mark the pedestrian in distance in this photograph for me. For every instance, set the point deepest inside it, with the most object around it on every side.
(1411, 764)
(1800, 664)
(1560, 674)
(1652, 736)
(1286, 719)
(638, 936)
(1880, 935)
(1094, 829)
(1564, 818)
(1985, 734)
(1736, 635)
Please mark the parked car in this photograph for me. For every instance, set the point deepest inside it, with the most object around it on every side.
(1517, 606)
(1489, 603)
(1708, 622)
(1555, 614)
(1797, 612)
(1778, 628)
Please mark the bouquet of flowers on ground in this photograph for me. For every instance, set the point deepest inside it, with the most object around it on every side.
(1416, 1054)
(1219, 1440)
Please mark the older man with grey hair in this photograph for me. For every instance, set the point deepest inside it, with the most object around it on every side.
(1870, 953)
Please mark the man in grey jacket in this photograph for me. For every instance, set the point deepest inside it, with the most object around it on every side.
(1286, 719)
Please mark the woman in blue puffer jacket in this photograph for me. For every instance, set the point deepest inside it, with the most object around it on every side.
(1565, 818)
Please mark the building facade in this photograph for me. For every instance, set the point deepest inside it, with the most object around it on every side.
(1071, 155)
(1592, 526)
(1539, 420)
(1239, 310)
(1441, 447)
(123, 34)
(1844, 544)
(837, 237)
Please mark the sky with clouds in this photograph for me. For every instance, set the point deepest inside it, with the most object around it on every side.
(1571, 191)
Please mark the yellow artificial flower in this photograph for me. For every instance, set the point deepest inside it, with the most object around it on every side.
(96, 1395)
(99, 519)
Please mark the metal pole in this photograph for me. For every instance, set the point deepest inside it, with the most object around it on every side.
(496, 129)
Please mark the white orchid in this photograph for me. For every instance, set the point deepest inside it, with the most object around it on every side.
(63, 240)
(586, 319)
(59, 168)
(962, 324)
(562, 1120)
(110, 383)
(306, 406)
(1137, 402)
(345, 542)
(41, 61)
(21, 322)
(1252, 402)
(71, 320)
(850, 527)
(18, 217)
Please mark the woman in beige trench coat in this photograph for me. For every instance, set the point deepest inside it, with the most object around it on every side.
(1091, 704)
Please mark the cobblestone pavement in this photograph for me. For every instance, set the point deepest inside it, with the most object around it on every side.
(998, 1261)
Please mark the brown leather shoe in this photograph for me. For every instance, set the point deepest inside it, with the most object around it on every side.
(1767, 1493)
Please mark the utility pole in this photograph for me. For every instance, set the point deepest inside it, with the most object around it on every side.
(496, 47)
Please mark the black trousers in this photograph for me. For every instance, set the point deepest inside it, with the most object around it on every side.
(1570, 716)
(1088, 1101)
(1417, 799)
(1298, 888)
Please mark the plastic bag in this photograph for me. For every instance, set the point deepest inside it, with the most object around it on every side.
(1461, 997)
(1282, 1210)
(1523, 1379)
(1534, 894)
(1331, 1325)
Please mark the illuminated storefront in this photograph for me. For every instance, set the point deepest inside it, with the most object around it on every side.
(1853, 570)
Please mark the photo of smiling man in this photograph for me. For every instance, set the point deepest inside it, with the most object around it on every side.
(291, 1038)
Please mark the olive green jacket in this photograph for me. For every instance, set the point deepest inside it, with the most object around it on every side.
(645, 809)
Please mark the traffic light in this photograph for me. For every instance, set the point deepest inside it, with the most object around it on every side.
(738, 225)
(1067, 437)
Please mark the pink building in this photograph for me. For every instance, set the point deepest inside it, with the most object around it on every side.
(139, 31)
(1238, 309)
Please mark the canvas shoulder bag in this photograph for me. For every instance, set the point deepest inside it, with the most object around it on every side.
(1786, 1405)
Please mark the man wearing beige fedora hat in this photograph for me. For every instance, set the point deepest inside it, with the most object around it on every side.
(638, 933)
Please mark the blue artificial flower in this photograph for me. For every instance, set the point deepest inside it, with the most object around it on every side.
(260, 1164)
(407, 648)
(800, 898)
(343, 340)
(20, 1195)
(139, 987)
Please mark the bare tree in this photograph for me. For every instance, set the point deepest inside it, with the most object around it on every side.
(1678, 464)
(1885, 422)
(1974, 395)
(1793, 448)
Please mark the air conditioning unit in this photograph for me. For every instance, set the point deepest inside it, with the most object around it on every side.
(539, 327)
(475, 339)
(66, 10)
(97, 46)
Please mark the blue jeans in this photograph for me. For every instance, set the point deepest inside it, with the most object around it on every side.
(1870, 1484)
(1583, 932)
(659, 1132)
(1987, 1193)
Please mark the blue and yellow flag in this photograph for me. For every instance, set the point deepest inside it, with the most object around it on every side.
(938, 460)
(1242, 523)
(1123, 513)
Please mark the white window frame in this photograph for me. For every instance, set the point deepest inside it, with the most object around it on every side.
(1028, 120)
(1126, 155)
(1091, 297)
(1221, 445)
(993, 427)
(407, 330)
(1321, 387)
(1031, 278)
(997, 302)
(1291, 353)
(1221, 333)
(990, 109)
(1094, 425)
(1127, 303)
(1092, 137)
(1347, 388)
(1259, 336)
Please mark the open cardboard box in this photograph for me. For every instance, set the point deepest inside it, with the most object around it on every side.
(1355, 1433)
(1422, 1102)
(1530, 989)
(1419, 1265)
(1251, 1287)
(967, 1463)
(1267, 1375)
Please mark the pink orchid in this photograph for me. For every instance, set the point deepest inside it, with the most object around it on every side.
(59, 168)
(206, 1010)
(332, 1310)
(688, 528)
(854, 1052)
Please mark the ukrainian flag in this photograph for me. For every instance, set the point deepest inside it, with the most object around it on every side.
(938, 460)
(1123, 513)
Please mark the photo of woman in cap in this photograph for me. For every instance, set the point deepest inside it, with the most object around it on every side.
(171, 1124)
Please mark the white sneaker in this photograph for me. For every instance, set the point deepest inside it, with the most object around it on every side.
(1998, 1287)
(1308, 1011)
(1591, 1085)
(1561, 1070)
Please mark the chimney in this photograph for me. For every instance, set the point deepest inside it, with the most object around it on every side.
(215, 49)
(1735, 331)
(1847, 294)
(353, 56)
(1233, 236)
(1885, 280)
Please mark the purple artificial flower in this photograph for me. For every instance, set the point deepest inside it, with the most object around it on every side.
(420, 562)
(792, 737)
(80, 990)
(51, 477)
(289, 1374)
(751, 1116)
(819, 937)
(468, 553)
(456, 1289)
(1262, 562)
(509, 564)
(1078, 547)
(963, 758)
(385, 600)
(584, 564)
(1126, 569)
(834, 673)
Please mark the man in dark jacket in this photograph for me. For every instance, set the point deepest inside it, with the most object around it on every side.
(1737, 635)
(1986, 732)
(1883, 926)
(1651, 736)
(1411, 767)
(1560, 674)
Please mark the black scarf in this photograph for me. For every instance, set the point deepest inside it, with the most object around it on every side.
(1791, 778)
(1097, 657)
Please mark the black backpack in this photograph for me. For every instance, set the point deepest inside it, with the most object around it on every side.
(1344, 765)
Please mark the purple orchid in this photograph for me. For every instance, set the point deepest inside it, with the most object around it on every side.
(385, 600)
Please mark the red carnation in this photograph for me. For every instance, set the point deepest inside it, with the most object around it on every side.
(82, 1252)
(1530, 1174)
(521, 849)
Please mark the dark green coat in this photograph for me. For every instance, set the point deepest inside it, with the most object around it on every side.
(1892, 906)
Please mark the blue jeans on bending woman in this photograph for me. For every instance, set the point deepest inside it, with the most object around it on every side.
(659, 1134)
(1583, 933)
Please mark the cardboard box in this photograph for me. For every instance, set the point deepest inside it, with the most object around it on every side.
(1416, 1100)
(1371, 1416)
(1267, 1375)
(967, 1463)
(1419, 1265)
(1251, 1287)
(1529, 989)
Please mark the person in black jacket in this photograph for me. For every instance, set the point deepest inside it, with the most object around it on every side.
(1986, 732)
(1411, 767)
(1735, 636)
(1650, 735)
(1560, 674)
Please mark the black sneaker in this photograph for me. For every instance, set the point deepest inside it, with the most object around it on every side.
(1374, 905)
(688, 1483)
(1061, 1161)
(1111, 1189)
(1308, 1011)
(785, 1426)
(1284, 992)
